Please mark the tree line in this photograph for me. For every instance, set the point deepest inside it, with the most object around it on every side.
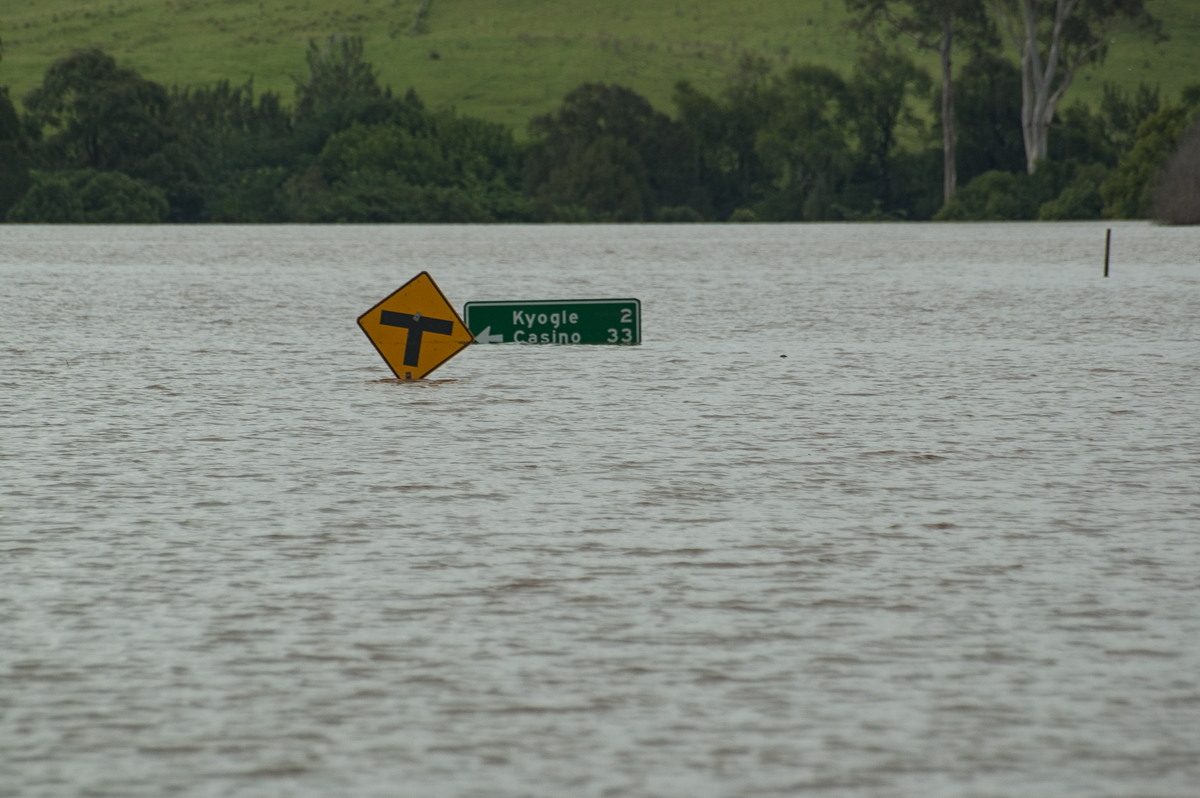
(98, 143)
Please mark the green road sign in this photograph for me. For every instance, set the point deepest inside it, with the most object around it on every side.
(556, 321)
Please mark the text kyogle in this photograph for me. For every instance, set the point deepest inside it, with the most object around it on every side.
(555, 320)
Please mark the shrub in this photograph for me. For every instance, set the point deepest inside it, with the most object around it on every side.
(1080, 199)
(91, 197)
(1000, 196)
(992, 196)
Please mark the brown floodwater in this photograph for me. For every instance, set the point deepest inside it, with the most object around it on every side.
(873, 510)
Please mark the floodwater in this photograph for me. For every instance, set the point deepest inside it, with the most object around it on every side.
(874, 510)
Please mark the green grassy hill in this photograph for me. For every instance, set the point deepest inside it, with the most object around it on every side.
(503, 61)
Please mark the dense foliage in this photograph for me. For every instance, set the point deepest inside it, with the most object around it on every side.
(99, 143)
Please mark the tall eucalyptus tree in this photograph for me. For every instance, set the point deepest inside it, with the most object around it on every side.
(1054, 39)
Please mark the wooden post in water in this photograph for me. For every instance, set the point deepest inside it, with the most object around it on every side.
(1107, 249)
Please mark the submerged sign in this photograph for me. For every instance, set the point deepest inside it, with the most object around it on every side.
(415, 328)
(556, 321)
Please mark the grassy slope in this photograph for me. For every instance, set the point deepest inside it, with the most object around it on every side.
(504, 61)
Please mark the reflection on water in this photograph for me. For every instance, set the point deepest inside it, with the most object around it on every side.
(873, 510)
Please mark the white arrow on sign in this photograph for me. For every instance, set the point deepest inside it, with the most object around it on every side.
(486, 337)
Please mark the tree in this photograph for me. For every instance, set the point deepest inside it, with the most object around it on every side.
(90, 113)
(451, 151)
(934, 25)
(725, 129)
(608, 152)
(987, 111)
(456, 169)
(1128, 188)
(244, 142)
(341, 89)
(606, 177)
(1176, 196)
(337, 75)
(14, 156)
(1054, 39)
(804, 144)
(231, 128)
(1122, 112)
(879, 89)
(807, 144)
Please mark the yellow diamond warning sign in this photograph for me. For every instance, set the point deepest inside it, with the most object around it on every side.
(415, 328)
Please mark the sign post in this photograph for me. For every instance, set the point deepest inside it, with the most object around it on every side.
(556, 321)
(415, 328)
